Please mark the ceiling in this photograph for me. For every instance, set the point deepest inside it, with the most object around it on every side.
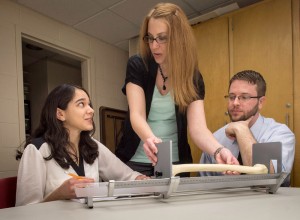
(117, 21)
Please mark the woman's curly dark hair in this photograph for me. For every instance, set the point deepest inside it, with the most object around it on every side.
(56, 135)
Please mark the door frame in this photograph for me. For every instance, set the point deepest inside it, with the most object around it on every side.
(83, 57)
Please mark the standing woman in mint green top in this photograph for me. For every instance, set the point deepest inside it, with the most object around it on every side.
(165, 93)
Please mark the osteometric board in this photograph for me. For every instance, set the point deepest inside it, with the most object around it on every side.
(266, 153)
(163, 168)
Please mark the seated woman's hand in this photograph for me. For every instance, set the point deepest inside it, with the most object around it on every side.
(67, 189)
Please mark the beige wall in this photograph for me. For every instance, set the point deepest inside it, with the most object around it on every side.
(133, 46)
(103, 71)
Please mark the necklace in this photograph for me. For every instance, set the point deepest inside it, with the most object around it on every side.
(74, 154)
(164, 78)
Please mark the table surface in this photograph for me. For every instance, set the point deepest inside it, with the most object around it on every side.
(215, 204)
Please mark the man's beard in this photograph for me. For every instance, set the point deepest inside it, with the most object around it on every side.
(245, 116)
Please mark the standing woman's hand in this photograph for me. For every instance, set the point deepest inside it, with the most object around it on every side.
(150, 148)
(226, 157)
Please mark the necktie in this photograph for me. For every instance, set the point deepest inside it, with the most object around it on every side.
(240, 159)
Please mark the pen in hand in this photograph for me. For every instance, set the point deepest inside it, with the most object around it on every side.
(75, 175)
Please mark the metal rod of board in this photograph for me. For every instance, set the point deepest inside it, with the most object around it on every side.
(167, 187)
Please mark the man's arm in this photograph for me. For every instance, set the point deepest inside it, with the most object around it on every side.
(241, 132)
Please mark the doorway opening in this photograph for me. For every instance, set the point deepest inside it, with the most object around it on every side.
(44, 68)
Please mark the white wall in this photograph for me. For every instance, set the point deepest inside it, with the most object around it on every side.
(103, 75)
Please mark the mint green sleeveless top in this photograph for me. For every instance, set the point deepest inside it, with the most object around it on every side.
(162, 121)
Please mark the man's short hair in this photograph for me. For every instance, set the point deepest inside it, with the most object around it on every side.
(253, 78)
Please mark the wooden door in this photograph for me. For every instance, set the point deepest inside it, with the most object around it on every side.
(262, 41)
(259, 37)
(111, 126)
(212, 46)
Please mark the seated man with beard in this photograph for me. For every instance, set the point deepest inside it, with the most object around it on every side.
(246, 98)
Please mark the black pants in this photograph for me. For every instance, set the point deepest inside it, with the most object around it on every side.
(147, 168)
(144, 168)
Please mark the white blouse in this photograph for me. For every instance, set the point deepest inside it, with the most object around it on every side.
(37, 177)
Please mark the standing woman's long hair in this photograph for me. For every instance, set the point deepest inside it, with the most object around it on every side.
(56, 135)
(181, 52)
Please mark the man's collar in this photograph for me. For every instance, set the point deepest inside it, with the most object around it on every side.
(257, 124)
